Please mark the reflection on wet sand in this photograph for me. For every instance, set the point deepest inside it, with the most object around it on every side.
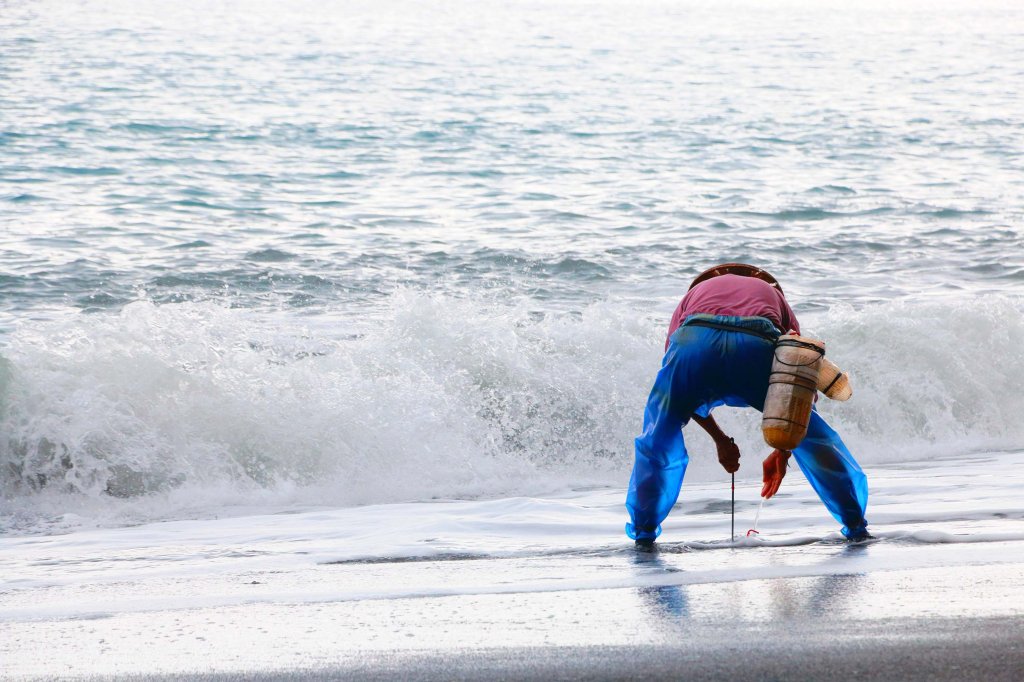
(793, 599)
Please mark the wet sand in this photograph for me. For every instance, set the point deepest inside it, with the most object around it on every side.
(537, 589)
(919, 649)
(933, 621)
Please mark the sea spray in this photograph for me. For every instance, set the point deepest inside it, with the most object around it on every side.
(443, 398)
(930, 378)
(158, 409)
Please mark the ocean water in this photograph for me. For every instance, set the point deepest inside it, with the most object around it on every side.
(326, 327)
(258, 256)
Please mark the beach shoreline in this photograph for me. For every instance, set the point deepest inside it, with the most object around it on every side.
(937, 623)
(538, 588)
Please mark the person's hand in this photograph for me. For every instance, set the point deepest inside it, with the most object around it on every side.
(728, 455)
(774, 472)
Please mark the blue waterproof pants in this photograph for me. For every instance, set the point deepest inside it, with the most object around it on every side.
(706, 367)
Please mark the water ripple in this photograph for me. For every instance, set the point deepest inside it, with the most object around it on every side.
(566, 156)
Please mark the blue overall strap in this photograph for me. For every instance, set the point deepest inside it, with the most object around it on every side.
(752, 326)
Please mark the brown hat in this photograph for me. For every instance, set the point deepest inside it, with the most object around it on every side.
(741, 269)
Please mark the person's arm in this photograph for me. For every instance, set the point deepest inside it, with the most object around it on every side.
(728, 451)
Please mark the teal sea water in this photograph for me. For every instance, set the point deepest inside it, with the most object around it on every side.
(347, 252)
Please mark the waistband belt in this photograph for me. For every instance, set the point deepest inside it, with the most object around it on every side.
(699, 322)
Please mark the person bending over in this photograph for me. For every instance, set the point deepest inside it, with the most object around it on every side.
(719, 351)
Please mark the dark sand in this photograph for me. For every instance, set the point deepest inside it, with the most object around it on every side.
(961, 622)
(931, 649)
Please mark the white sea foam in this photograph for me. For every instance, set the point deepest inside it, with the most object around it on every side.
(930, 378)
(170, 409)
(565, 542)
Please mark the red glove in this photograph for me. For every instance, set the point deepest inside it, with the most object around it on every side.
(774, 472)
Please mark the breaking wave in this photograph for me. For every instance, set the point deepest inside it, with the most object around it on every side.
(165, 410)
